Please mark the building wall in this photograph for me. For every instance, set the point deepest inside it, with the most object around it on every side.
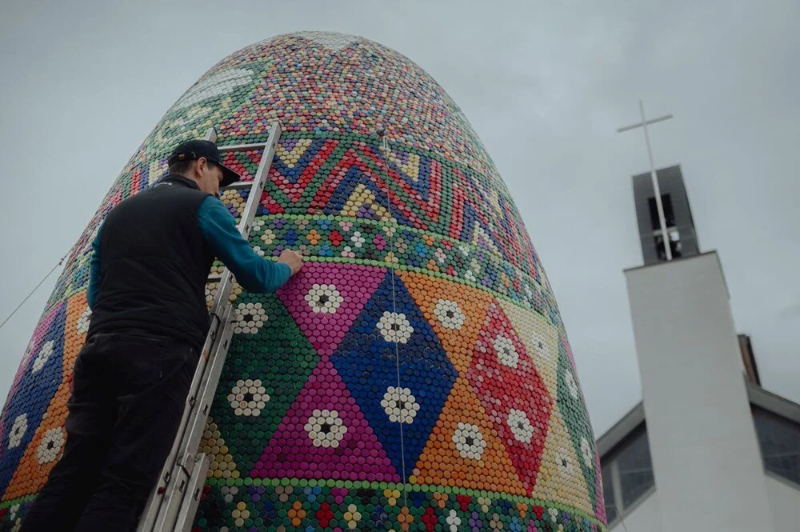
(706, 458)
(784, 501)
(644, 518)
(784, 504)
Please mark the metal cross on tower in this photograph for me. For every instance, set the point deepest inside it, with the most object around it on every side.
(657, 191)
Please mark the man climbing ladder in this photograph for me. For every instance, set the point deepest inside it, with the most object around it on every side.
(149, 323)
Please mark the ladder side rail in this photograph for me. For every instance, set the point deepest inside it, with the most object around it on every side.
(148, 518)
(253, 200)
(185, 460)
(181, 474)
(224, 290)
(205, 397)
(194, 492)
(248, 213)
(154, 502)
(194, 431)
(260, 180)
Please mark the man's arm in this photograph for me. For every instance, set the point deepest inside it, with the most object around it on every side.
(94, 271)
(254, 273)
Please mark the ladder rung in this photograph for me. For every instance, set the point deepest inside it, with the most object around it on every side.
(193, 493)
(242, 147)
(238, 185)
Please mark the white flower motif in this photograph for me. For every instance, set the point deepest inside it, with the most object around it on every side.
(18, 430)
(28, 350)
(12, 512)
(352, 516)
(248, 397)
(229, 492)
(528, 291)
(400, 405)
(250, 317)
(469, 441)
(51, 445)
(258, 251)
(334, 42)
(541, 345)
(553, 514)
(520, 426)
(586, 451)
(218, 84)
(43, 356)
(84, 320)
(569, 379)
(394, 327)
(454, 521)
(257, 225)
(357, 239)
(268, 237)
(469, 276)
(449, 314)
(464, 249)
(391, 258)
(475, 266)
(506, 353)
(565, 465)
(325, 428)
(324, 298)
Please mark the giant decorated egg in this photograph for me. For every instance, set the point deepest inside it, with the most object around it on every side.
(416, 375)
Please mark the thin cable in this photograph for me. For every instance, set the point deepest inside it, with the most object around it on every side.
(621, 519)
(384, 149)
(32, 291)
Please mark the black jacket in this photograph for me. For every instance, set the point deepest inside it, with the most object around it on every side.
(155, 261)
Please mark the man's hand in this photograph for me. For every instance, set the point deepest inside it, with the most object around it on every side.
(291, 258)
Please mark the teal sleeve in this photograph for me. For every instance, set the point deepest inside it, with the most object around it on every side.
(94, 271)
(253, 272)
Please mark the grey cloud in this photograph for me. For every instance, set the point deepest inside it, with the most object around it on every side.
(545, 85)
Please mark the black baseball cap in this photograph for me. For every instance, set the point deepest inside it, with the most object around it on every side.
(194, 149)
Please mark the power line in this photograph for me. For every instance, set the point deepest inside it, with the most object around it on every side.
(32, 291)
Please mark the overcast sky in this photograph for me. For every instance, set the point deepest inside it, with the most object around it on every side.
(545, 84)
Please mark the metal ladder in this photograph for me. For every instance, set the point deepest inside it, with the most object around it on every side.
(172, 504)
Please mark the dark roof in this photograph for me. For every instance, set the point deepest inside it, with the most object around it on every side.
(635, 417)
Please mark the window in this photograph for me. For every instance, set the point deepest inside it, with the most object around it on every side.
(674, 245)
(780, 444)
(672, 231)
(635, 470)
(608, 496)
(669, 213)
(627, 474)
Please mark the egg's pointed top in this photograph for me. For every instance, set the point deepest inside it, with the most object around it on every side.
(325, 82)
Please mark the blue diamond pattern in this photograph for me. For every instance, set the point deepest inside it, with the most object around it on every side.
(367, 364)
(33, 397)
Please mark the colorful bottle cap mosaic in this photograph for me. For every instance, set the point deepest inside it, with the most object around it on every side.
(415, 375)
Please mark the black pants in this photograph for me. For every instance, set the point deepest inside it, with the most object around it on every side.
(128, 394)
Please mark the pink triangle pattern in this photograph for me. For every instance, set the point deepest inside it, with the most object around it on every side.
(35, 344)
(33, 348)
(325, 435)
(600, 506)
(350, 285)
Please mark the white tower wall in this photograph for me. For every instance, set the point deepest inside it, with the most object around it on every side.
(706, 459)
